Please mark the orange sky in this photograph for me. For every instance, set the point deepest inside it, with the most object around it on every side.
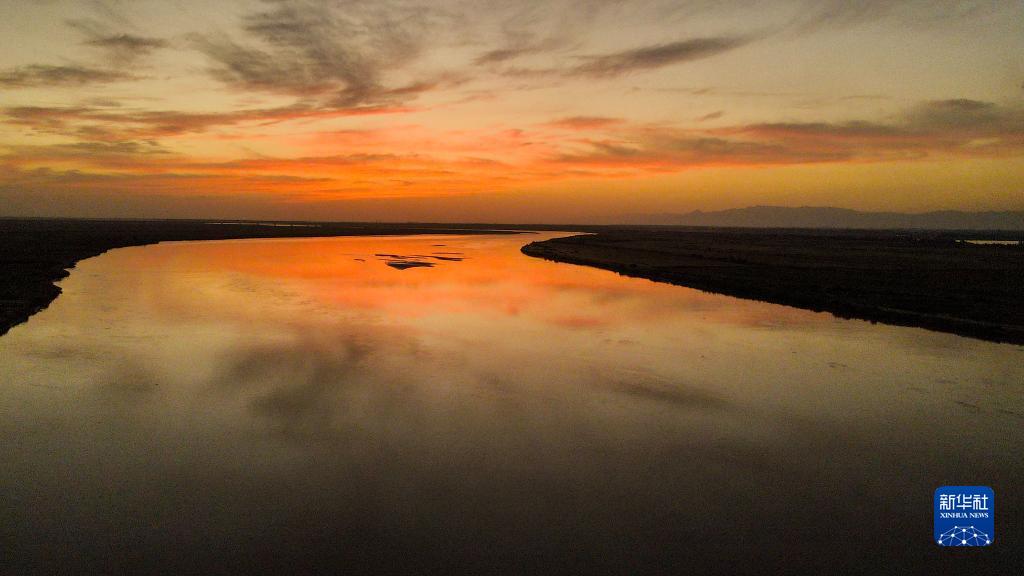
(554, 111)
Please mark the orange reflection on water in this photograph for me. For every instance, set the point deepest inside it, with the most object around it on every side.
(492, 277)
(276, 391)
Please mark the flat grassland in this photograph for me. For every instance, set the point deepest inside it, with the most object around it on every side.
(931, 280)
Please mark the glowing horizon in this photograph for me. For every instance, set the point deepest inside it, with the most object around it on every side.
(537, 111)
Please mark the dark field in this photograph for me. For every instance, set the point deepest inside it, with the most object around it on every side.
(923, 279)
(34, 253)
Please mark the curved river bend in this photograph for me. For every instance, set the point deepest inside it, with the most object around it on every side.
(234, 406)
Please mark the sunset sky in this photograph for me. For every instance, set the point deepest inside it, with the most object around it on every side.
(545, 111)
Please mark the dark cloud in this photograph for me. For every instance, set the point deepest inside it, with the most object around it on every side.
(523, 46)
(310, 49)
(711, 116)
(817, 14)
(38, 75)
(855, 129)
(585, 122)
(124, 153)
(253, 68)
(668, 150)
(963, 114)
(114, 124)
(635, 60)
(536, 28)
(657, 56)
(502, 55)
(15, 179)
(119, 48)
(145, 163)
(546, 28)
(95, 123)
(955, 122)
(127, 47)
(949, 127)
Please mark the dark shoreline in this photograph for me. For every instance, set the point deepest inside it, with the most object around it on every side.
(36, 253)
(908, 278)
(912, 278)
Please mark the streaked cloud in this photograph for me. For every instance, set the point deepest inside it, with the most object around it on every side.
(964, 128)
(322, 100)
(822, 14)
(959, 127)
(119, 48)
(69, 75)
(585, 122)
(500, 55)
(126, 48)
(655, 56)
(106, 124)
(625, 62)
(314, 49)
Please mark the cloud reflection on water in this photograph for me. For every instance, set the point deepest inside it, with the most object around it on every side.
(281, 405)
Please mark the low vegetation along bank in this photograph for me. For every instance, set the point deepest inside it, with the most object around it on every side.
(931, 280)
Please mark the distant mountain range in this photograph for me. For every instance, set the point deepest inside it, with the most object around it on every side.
(825, 217)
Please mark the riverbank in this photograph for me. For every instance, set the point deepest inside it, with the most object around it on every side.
(930, 280)
(912, 278)
(36, 253)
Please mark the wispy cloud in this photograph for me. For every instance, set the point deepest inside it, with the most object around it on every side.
(813, 15)
(314, 49)
(521, 47)
(656, 56)
(538, 28)
(624, 62)
(91, 150)
(39, 75)
(125, 48)
(119, 48)
(112, 124)
(458, 162)
(671, 150)
(955, 126)
(965, 128)
(585, 122)
(303, 178)
(492, 95)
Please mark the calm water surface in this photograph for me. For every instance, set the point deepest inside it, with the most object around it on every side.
(216, 407)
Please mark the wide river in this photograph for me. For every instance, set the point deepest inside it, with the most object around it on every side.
(281, 406)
